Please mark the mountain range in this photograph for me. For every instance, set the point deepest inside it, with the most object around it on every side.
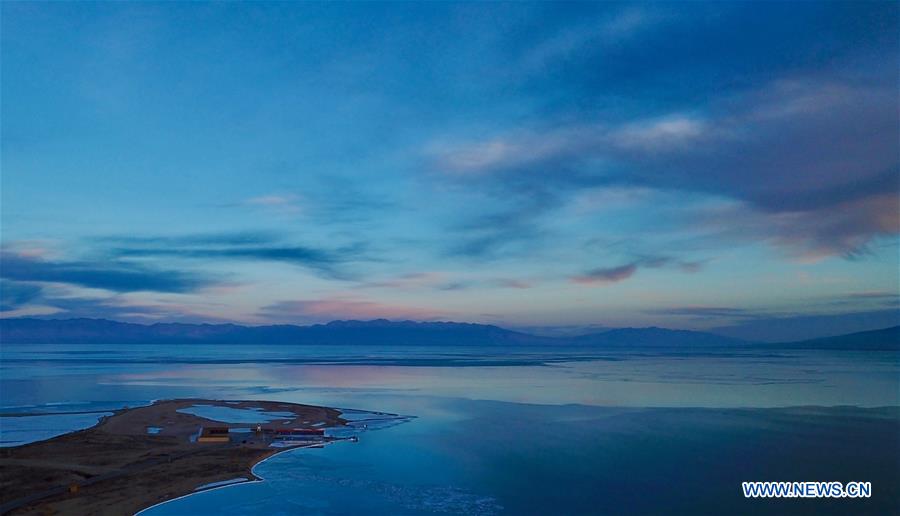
(384, 332)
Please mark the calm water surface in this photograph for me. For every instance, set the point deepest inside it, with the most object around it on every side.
(502, 431)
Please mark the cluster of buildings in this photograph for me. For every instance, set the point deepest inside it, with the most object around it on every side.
(222, 434)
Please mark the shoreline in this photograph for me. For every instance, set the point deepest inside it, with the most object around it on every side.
(256, 478)
(116, 466)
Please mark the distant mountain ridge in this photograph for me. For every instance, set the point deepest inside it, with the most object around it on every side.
(872, 340)
(379, 331)
(385, 332)
(655, 336)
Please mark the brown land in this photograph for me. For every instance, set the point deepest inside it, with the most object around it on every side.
(117, 468)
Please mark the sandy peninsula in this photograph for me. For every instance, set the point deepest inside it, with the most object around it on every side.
(116, 467)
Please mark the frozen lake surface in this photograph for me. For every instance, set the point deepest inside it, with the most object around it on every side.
(506, 430)
(236, 415)
(15, 431)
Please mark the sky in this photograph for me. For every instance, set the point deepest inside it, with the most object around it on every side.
(558, 168)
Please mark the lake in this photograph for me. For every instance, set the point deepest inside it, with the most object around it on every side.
(509, 431)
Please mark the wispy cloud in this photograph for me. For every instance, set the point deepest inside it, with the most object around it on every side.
(707, 312)
(413, 281)
(616, 28)
(329, 309)
(281, 203)
(15, 294)
(660, 135)
(562, 149)
(56, 303)
(822, 316)
(117, 276)
(871, 299)
(326, 199)
(846, 229)
(435, 280)
(513, 283)
(838, 140)
(608, 275)
(229, 238)
(251, 246)
(507, 228)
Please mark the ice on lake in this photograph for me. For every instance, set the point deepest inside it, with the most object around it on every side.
(236, 415)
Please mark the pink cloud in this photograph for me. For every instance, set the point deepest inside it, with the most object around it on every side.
(285, 203)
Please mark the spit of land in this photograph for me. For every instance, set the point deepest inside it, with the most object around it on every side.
(142, 456)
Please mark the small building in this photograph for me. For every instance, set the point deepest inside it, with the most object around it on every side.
(214, 434)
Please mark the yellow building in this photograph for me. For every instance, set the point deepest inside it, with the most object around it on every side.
(214, 434)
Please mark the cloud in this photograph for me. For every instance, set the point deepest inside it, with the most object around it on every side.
(692, 266)
(827, 316)
(117, 276)
(442, 281)
(813, 159)
(805, 326)
(494, 239)
(559, 153)
(410, 281)
(322, 262)
(420, 280)
(513, 283)
(846, 229)
(282, 203)
(802, 141)
(508, 228)
(657, 135)
(230, 238)
(823, 316)
(573, 42)
(605, 275)
(706, 312)
(252, 246)
(326, 199)
(14, 294)
(858, 301)
(271, 200)
(519, 151)
(608, 275)
(324, 310)
(871, 299)
(117, 307)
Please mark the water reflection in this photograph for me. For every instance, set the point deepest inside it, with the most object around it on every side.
(542, 431)
(477, 457)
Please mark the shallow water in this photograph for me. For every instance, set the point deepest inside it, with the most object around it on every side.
(236, 415)
(475, 457)
(506, 431)
(15, 431)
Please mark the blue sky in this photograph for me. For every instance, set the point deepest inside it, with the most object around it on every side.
(556, 167)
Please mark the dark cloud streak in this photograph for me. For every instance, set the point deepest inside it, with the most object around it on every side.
(250, 246)
(118, 276)
(14, 294)
(607, 275)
